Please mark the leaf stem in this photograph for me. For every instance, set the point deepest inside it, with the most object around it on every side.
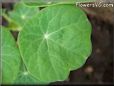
(12, 25)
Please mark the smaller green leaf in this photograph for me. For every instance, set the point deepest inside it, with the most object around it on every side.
(43, 3)
(19, 15)
(10, 57)
(24, 77)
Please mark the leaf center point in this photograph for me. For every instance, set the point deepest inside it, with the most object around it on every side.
(25, 73)
(23, 17)
(46, 36)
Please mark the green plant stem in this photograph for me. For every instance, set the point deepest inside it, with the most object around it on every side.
(11, 24)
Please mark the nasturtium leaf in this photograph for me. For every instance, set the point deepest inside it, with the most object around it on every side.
(22, 13)
(10, 57)
(55, 42)
(42, 3)
(24, 77)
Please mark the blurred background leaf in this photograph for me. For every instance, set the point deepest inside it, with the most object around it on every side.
(43, 3)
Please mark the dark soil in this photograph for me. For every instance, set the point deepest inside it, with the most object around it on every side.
(99, 67)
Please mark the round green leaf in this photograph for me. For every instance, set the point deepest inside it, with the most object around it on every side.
(55, 41)
(10, 57)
